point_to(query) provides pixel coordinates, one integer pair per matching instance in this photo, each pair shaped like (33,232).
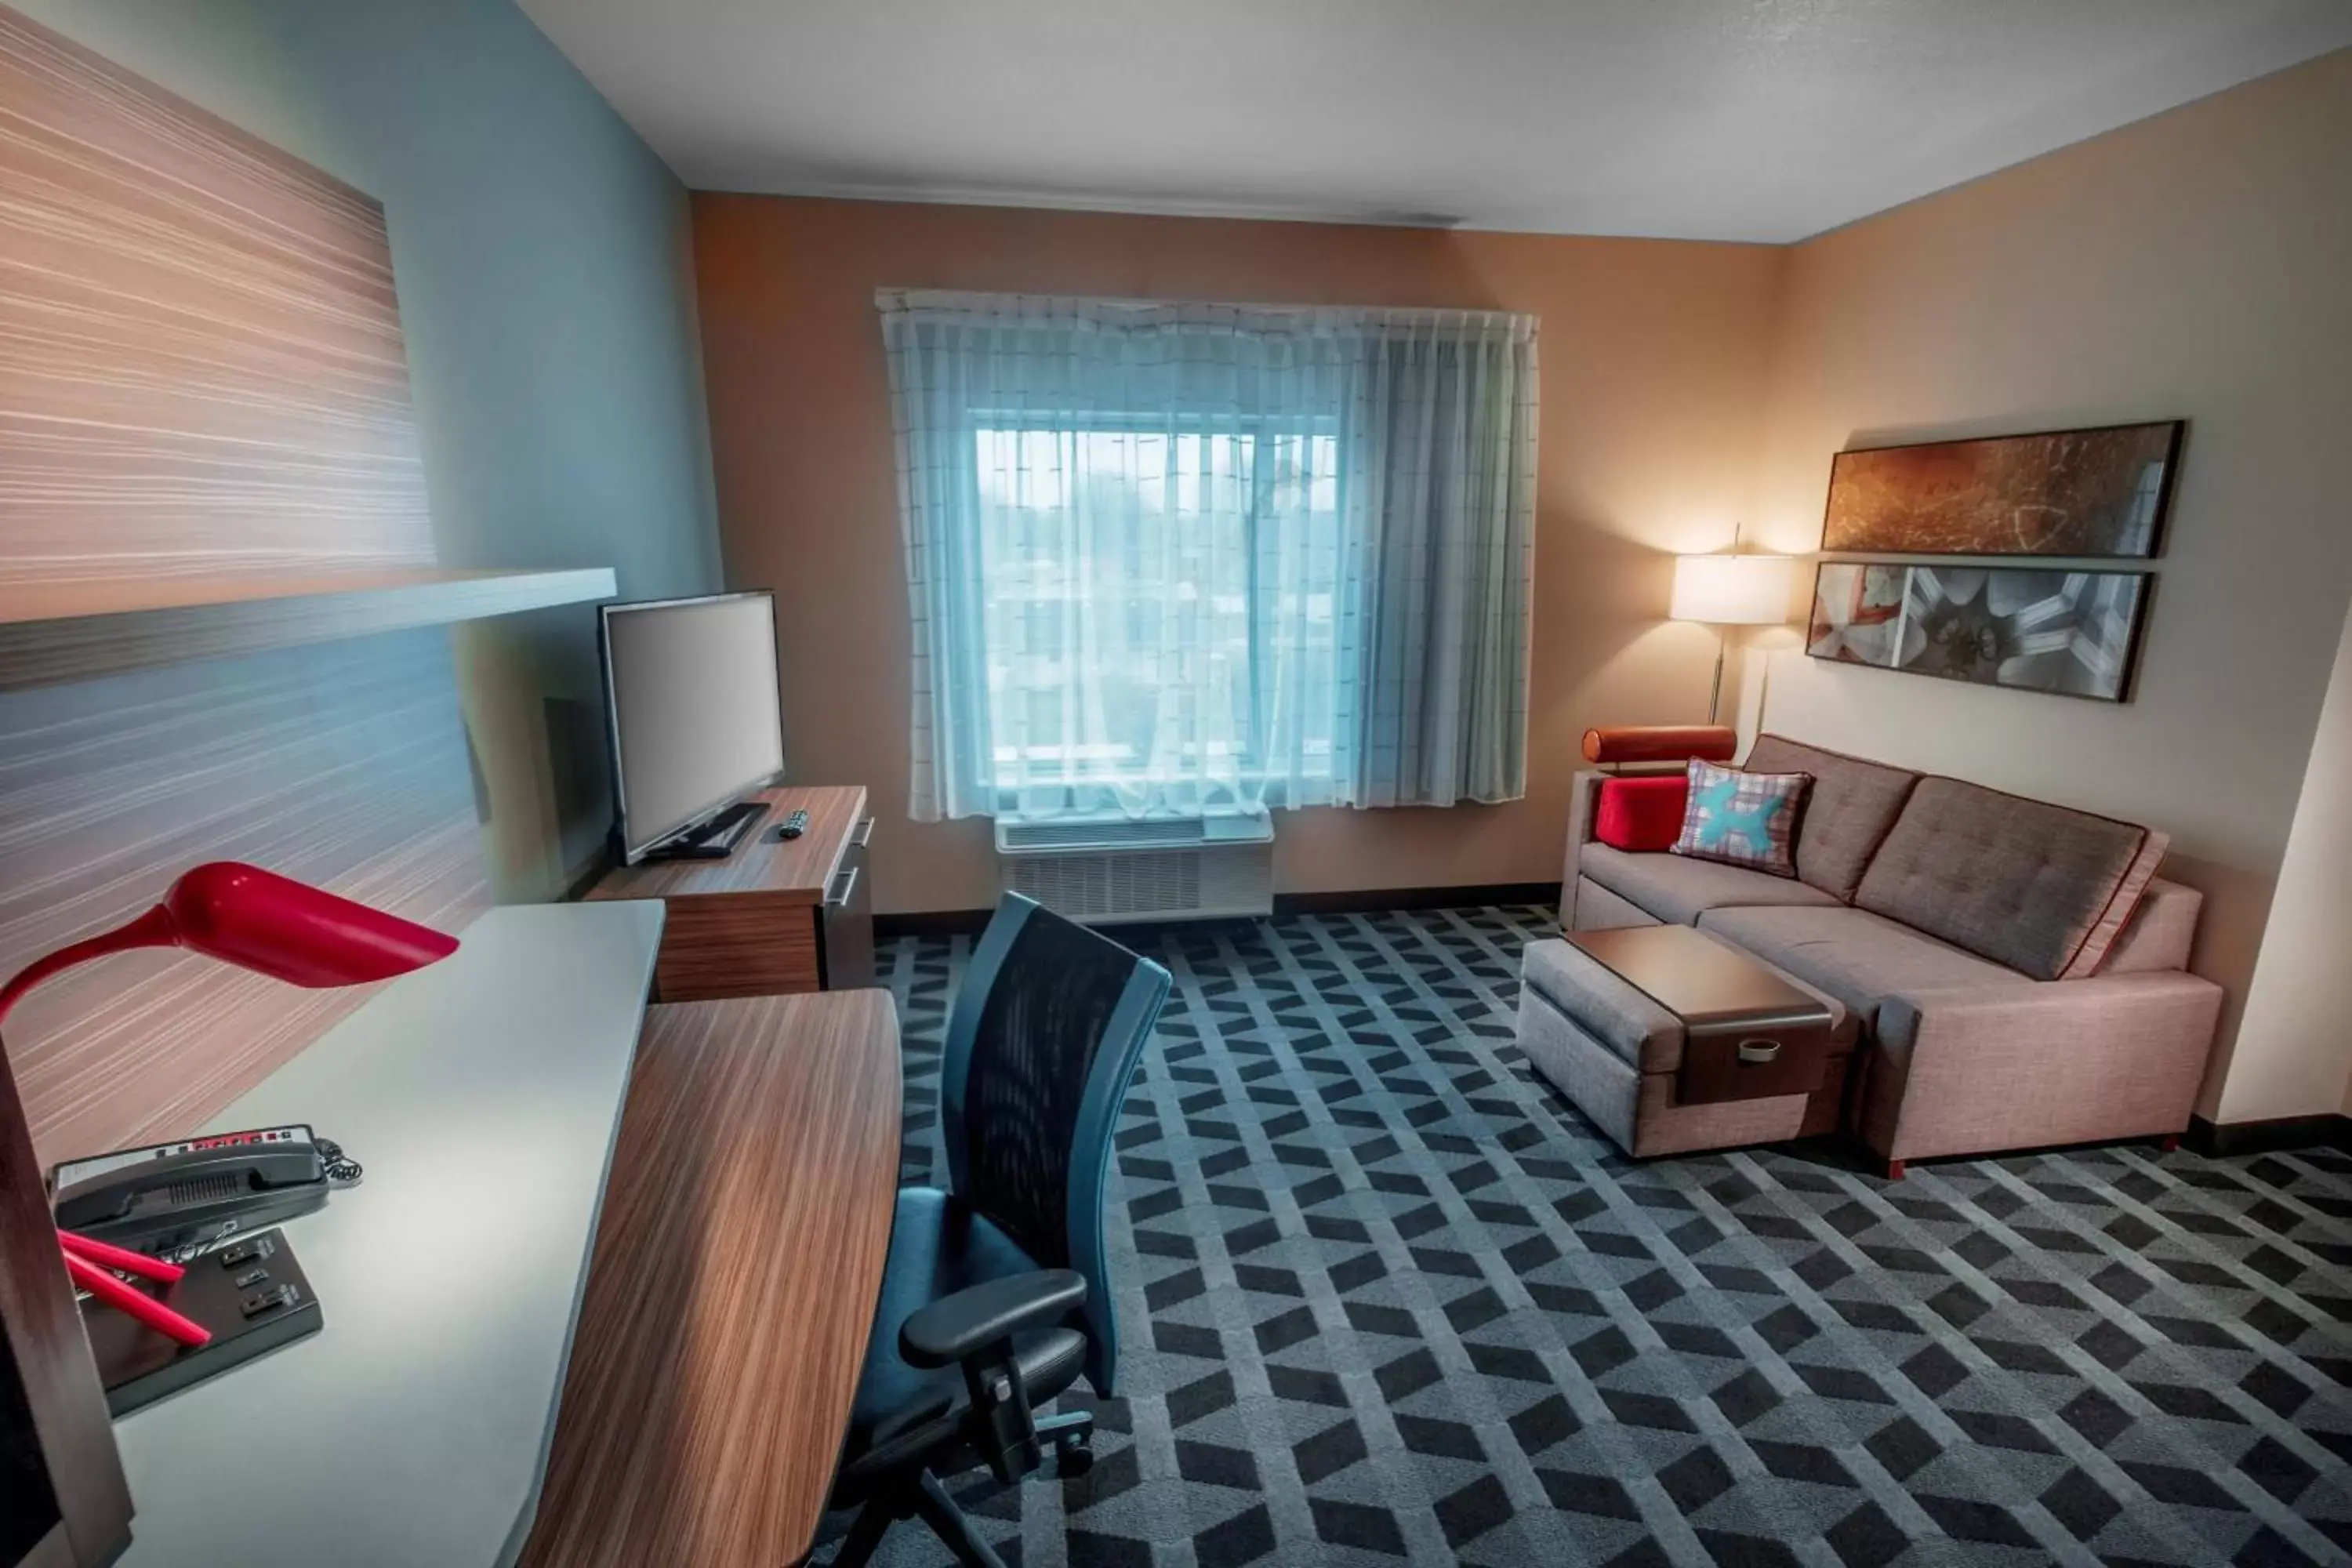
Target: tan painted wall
(2192,265)
(1654,364)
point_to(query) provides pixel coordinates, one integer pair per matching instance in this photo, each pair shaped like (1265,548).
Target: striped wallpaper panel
(201,362)
(202,379)
(343,765)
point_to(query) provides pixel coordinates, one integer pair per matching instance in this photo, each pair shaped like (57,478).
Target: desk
(720,1328)
(737,1267)
(483,1095)
(774,918)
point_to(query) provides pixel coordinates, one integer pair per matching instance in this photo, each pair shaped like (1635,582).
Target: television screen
(690,685)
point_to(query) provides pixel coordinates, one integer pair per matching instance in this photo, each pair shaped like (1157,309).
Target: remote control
(793,826)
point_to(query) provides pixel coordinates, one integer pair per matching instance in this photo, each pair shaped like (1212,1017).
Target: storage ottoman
(1618,1054)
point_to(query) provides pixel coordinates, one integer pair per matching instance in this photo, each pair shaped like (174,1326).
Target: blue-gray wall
(546,287)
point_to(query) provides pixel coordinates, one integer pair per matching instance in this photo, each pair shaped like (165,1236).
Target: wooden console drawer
(775,918)
(1751,1062)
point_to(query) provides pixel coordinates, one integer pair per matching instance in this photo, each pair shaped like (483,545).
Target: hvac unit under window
(1161,868)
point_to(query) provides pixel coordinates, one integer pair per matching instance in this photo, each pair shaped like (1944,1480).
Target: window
(1181,558)
(1160,602)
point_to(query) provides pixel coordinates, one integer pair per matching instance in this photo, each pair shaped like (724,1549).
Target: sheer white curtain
(1160,555)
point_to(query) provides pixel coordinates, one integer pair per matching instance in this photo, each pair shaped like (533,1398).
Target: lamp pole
(1723,635)
(1715,695)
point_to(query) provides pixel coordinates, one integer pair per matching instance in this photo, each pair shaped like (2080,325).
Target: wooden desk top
(736,1266)
(797,871)
(1698,979)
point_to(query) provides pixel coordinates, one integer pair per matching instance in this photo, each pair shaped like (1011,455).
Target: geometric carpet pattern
(1386,1298)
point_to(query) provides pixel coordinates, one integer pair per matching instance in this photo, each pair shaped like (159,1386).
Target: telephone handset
(176,1197)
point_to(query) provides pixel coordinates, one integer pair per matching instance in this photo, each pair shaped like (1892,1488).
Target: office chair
(994,1297)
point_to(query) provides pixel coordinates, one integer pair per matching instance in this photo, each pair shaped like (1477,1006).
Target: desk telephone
(181,1197)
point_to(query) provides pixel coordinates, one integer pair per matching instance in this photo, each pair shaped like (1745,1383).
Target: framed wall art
(2072,634)
(2099,493)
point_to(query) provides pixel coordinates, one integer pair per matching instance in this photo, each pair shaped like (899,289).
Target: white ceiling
(1759,119)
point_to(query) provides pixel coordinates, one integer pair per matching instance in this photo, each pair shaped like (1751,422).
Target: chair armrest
(1975,1069)
(974,1327)
(957,1327)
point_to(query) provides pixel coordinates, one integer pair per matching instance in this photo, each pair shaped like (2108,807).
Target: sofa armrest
(1583,799)
(1976,1069)
(2160,933)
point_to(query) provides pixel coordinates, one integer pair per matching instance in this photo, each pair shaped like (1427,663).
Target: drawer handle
(848,885)
(1756,1053)
(863,836)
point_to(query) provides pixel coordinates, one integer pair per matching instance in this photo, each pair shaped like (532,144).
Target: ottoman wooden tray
(1748,1034)
(1674,1040)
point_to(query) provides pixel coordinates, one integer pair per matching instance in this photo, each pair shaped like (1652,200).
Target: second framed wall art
(2072,634)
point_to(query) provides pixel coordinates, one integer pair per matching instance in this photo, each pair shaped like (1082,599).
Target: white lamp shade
(1732,590)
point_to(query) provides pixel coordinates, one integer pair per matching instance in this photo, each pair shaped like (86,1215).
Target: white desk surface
(482,1095)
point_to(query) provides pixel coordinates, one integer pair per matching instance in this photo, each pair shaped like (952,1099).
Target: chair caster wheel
(1073,1457)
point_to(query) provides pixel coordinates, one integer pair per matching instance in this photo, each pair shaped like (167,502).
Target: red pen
(144,1307)
(118,1257)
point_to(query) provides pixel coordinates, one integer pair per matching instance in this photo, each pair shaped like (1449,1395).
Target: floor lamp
(1732,590)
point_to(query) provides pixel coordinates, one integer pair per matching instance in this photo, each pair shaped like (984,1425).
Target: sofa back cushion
(2039,887)
(1848,812)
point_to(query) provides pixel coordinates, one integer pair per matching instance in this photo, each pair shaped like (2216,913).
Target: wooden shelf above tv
(54,632)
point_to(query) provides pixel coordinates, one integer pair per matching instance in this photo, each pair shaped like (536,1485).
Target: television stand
(715,839)
(779,916)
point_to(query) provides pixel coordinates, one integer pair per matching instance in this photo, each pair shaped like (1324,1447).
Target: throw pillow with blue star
(1744,819)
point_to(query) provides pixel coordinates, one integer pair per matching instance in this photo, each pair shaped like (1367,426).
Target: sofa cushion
(1853,805)
(1676,889)
(1857,957)
(2019,881)
(1747,819)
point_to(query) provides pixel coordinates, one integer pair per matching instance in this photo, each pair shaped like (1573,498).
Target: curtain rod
(885,298)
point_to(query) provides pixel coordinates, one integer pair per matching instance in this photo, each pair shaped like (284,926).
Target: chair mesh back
(1038,1036)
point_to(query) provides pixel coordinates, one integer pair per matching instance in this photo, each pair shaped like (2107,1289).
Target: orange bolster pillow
(1660,743)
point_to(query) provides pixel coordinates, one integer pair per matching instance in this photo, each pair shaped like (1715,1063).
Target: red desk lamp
(258,920)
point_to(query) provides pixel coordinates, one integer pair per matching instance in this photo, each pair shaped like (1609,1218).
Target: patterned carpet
(1385,1298)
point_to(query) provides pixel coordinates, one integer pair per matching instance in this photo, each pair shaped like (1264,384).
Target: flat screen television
(694,715)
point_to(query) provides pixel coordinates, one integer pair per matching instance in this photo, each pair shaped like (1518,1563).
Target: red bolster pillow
(1661,743)
(1641,813)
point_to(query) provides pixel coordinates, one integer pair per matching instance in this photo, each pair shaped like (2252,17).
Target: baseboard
(2218,1140)
(598,865)
(1353,901)
(930,922)
(1371,900)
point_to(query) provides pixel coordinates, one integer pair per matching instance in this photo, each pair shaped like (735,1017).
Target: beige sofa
(2018,972)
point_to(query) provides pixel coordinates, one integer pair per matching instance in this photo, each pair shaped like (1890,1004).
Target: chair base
(921,1494)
